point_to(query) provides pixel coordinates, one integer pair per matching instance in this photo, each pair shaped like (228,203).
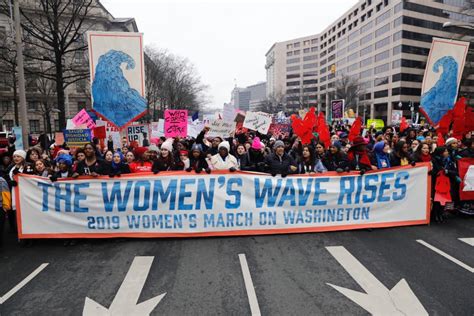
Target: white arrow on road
(469,241)
(378,300)
(125,302)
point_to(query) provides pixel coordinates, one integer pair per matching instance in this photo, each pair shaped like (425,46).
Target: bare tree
(172,83)
(53,33)
(273,104)
(8,66)
(349,89)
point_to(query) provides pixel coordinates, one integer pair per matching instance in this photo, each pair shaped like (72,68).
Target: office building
(383,44)
(248,98)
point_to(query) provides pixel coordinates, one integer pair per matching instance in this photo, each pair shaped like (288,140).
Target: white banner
(221,128)
(181,204)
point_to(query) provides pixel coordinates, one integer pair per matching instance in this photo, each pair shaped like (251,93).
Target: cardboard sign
(397,116)
(278,130)
(18,137)
(76,138)
(83,118)
(228,113)
(258,121)
(195,128)
(337,109)
(239,118)
(59,138)
(100,132)
(378,124)
(157,128)
(176,123)
(135,133)
(221,128)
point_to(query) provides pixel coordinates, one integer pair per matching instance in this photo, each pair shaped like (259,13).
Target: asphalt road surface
(287,274)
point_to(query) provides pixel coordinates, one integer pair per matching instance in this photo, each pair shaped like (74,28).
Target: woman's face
(18,159)
(414,144)
(183,157)
(39,165)
(425,149)
(117,158)
(89,151)
(34,156)
(306,153)
(129,157)
(247,146)
(386,148)
(241,150)
(395,139)
(108,156)
(125,150)
(63,167)
(320,149)
(428,139)
(333,149)
(164,152)
(196,154)
(405,148)
(334,138)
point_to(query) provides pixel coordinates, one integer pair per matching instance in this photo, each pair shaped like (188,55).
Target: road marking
(469,241)
(125,302)
(25,281)
(254,308)
(444,254)
(378,300)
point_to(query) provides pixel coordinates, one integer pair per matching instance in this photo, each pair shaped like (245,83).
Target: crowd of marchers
(281,155)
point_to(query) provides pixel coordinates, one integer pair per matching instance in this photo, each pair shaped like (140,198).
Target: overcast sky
(227,39)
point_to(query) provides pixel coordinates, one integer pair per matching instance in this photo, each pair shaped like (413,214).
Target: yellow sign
(333,68)
(378,124)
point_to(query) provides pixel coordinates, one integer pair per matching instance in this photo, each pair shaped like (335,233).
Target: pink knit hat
(256,144)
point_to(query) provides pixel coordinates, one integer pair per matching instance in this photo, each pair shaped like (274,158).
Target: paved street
(204,276)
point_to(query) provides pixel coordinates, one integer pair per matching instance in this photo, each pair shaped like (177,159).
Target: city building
(383,44)
(77,94)
(248,98)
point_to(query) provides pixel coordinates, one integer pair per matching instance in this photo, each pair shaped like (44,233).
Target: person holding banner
(359,159)
(197,161)
(382,158)
(308,163)
(6,206)
(254,159)
(142,162)
(279,162)
(224,160)
(64,167)
(91,165)
(165,160)
(116,167)
(335,159)
(43,168)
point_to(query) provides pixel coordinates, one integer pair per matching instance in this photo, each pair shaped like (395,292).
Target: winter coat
(279,165)
(198,164)
(335,161)
(253,160)
(163,164)
(224,164)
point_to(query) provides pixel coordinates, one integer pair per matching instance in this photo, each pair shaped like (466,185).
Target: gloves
(208,171)
(446,172)
(16,171)
(362,172)
(274,174)
(53,178)
(111,175)
(348,169)
(14,183)
(232,169)
(156,171)
(118,174)
(339,170)
(413,163)
(189,169)
(261,165)
(198,170)
(283,175)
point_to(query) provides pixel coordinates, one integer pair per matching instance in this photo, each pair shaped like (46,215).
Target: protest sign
(239,117)
(337,109)
(378,124)
(396,116)
(157,129)
(240,129)
(278,130)
(135,133)
(18,137)
(176,123)
(77,137)
(59,138)
(194,128)
(117,72)
(179,204)
(258,121)
(466,173)
(229,112)
(221,128)
(100,132)
(83,118)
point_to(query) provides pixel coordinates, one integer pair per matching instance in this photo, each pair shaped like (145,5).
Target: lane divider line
(444,254)
(25,281)
(254,308)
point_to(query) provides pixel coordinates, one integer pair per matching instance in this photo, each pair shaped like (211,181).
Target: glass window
(322,79)
(56,126)
(296,45)
(366,50)
(381,68)
(289,53)
(314,41)
(398,7)
(312,89)
(293,68)
(292,76)
(289,46)
(340,62)
(407,77)
(366,27)
(353,56)
(323,62)
(310,74)
(383,55)
(398,21)
(332,57)
(308,66)
(353,67)
(384,29)
(306,43)
(314,49)
(293,60)
(310,57)
(34,126)
(397,50)
(296,52)
(382,42)
(33,105)
(352,36)
(415,50)
(397,36)
(306,50)
(352,46)
(380,94)
(365,74)
(366,39)
(396,63)
(413,64)
(406,91)
(311,81)
(382,17)
(380,81)
(8,124)
(365,62)
(323,70)
(417,36)
(292,83)
(365,85)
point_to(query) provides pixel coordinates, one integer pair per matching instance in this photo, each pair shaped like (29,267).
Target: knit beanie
(224,144)
(256,144)
(20,153)
(168,144)
(277,144)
